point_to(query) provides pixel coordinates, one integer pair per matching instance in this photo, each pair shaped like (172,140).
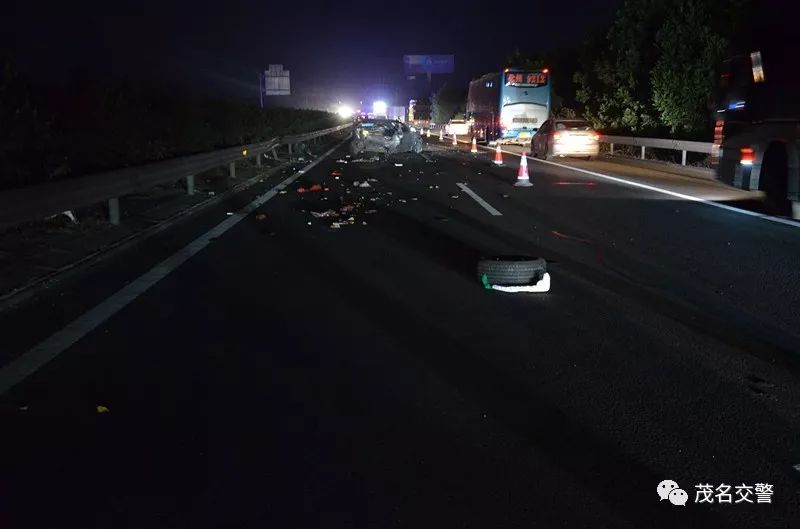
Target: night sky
(347,51)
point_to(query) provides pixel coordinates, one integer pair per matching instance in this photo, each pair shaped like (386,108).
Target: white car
(565,137)
(459,127)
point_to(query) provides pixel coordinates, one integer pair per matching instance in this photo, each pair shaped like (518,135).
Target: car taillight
(596,137)
(746,156)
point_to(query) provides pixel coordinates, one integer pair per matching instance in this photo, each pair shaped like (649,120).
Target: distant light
(345,111)
(379,108)
(736,105)
(758,68)
(244,152)
(506,70)
(546,70)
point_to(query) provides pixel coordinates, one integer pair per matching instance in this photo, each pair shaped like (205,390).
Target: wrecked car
(385,136)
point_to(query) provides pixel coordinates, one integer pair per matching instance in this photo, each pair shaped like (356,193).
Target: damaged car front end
(384,136)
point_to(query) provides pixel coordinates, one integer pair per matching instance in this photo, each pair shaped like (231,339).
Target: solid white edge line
(770,218)
(32,360)
(488,207)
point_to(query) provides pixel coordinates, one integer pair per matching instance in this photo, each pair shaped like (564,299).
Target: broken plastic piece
(364,184)
(398,165)
(542,286)
(325,214)
(102,409)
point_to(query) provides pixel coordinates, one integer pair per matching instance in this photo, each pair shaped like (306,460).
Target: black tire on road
(511,271)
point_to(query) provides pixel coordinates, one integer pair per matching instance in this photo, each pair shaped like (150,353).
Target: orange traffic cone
(441,135)
(455,141)
(498,156)
(474,148)
(523,180)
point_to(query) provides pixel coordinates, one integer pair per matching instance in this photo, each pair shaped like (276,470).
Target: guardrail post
(232,169)
(290,151)
(683,157)
(113,211)
(190,185)
(258,159)
(642,152)
(612,149)
(274,153)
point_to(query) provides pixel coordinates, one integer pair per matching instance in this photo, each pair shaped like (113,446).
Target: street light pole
(261,90)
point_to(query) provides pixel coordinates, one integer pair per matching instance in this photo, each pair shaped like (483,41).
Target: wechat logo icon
(669,490)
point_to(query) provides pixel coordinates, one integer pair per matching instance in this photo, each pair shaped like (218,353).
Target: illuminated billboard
(417,64)
(276,81)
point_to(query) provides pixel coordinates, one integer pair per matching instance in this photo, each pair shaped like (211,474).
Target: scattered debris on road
(260,216)
(102,409)
(325,214)
(312,189)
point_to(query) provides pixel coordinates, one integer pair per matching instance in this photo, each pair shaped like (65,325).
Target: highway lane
(298,375)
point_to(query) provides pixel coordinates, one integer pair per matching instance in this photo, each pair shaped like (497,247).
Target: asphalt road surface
(265,369)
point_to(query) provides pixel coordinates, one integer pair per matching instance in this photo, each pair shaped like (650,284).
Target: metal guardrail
(657,143)
(299,138)
(45,200)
